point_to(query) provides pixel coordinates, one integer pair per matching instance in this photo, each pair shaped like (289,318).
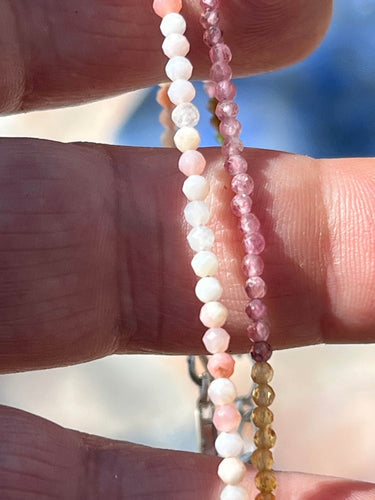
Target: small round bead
(263,395)
(262,373)
(197,213)
(229,444)
(231,470)
(209,17)
(254,243)
(256,288)
(216,340)
(259,331)
(213,314)
(225,90)
(261,351)
(226,109)
(262,459)
(241,204)
(205,264)
(242,184)
(220,71)
(234,493)
(230,127)
(212,35)
(265,437)
(226,418)
(173,23)
(266,481)
(201,238)
(164,7)
(235,165)
(221,391)
(252,265)
(179,68)
(181,91)
(220,53)
(187,138)
(221,365)
(175,45)
(192,162)
(265,496)
(249,223)
(256,309)
(208,289)
(232,146)
(185,115)
(262,417)
(196,187)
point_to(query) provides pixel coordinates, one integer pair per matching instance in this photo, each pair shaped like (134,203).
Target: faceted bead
(241,204)
(208,289)
(197,213)
(230,127)
(262,459)
(213,314)
(261,351)
(210,4)
(164,7)
(256,309)
(220,71)
(187,138)
(262,417)
(220,53)
(263,395)
(185,115)
(262,373)
(254,243)
(258,331)
(221,365)
(210,17)
(231,470)
(255,287)
(173,23)
(229,444)
(226,109)
(235,165)
(265,437)
(205,263)
(212,35)
(179,68)
(181,91)
(226,418)
(242,184)
(225,90)
(175,45)
(232,146)
(216,340)
(192,162)
(196,187)
(252,265)
(201,238)
(234,493)
(265,496)
(221,391)
(249,223)
(266,481)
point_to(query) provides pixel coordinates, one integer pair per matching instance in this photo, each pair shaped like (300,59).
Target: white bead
(231,470)
(216,340)
(181,91)
(221,391)
(229,444)
(197,213)
(175,45)
(179,68)
(173,23)
(205,264)
(201,238)
(187,138)
(185,115)
(208,289)
(213,314)
(234,493)
(196,187)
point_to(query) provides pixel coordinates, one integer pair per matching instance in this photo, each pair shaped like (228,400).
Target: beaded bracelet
(213,314)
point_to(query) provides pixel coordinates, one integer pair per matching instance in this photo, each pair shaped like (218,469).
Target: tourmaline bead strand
(224,90)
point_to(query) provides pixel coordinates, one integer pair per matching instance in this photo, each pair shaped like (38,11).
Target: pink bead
(261,352)
(256,288)
(249,223)
(242,184)
(254,243)
(226,418)
(232,146)
(230,127)
(220,53)
(241,204)
(209,88)
(225,91)
(212,36)
(252,265)
(210,4)
(235,164)
(258,331)
(256,309)
(216,340)
(192,163)
(210,17)
(220,71)
(164,7)
(221,365)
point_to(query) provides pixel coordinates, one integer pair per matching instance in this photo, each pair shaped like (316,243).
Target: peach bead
(164,7)
(221,365)
(192,162)
(226,418)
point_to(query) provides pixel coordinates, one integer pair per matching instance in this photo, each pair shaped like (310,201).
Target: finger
(94,259)
(59,53)
(39,459)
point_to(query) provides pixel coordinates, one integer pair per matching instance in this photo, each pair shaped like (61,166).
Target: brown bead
(262,459)
(265,496)
(263,395)
(265,438)
(266,481)
(262,373)
(262,417)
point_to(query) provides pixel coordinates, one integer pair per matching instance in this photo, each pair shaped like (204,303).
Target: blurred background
(323,107)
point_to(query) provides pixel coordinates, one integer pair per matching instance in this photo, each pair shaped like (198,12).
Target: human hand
(90,232)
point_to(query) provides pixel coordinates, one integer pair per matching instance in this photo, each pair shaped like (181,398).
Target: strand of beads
(165,117)
(253,242)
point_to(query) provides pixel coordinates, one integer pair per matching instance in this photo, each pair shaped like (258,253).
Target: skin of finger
(94,258)
(39,459)
(59,53)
